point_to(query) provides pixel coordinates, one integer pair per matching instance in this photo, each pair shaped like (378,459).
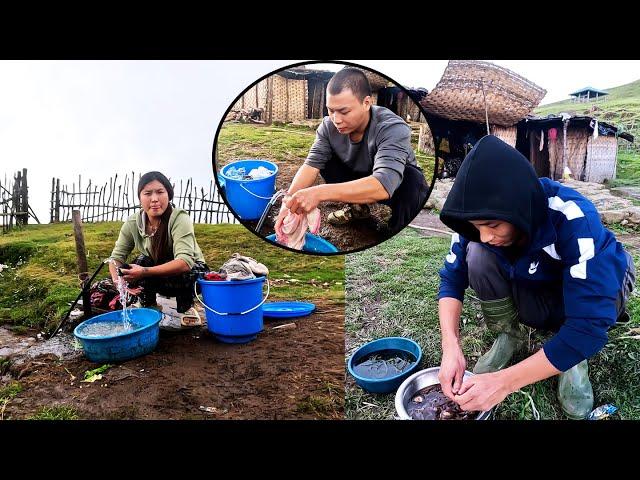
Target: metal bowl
(418,381)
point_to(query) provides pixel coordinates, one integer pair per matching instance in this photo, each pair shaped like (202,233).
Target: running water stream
(111,328)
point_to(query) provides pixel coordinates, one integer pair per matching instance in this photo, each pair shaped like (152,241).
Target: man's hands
(482,392)
(478,393)
(303,201)
(452,369)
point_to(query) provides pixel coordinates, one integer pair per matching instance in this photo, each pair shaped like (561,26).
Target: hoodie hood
(495,182)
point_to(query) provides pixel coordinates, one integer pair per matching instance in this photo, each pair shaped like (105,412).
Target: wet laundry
(236,173)
(260,172)
(215,276)
(254,174)
(104,295)
(294,228)
(239,267)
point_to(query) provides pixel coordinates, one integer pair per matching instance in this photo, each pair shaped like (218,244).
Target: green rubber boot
(501,317)
(575,392)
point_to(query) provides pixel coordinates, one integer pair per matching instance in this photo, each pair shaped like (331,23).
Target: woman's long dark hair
(160,241)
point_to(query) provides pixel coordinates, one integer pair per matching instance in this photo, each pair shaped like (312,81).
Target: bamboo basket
(466,84)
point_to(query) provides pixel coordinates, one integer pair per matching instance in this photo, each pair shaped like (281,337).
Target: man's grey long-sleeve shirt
(383,152)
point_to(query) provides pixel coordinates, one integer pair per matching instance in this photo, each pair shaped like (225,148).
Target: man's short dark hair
(351,78)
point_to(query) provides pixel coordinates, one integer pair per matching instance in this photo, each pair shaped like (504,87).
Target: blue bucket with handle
(234,308)
(249,198)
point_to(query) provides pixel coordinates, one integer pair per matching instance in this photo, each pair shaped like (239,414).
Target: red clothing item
(215,276)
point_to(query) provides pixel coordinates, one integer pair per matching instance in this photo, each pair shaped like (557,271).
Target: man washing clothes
(536,254)
(364,154)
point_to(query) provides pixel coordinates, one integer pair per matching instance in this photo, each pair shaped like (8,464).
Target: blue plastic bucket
(390,384)
(312,243)
(233,308)
(249,198)
(125,346)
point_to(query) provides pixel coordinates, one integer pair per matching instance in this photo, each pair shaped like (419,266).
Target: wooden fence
(118,198)
(14,201)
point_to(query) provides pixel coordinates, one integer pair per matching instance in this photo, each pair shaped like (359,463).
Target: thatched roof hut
(474,98)
(585,145)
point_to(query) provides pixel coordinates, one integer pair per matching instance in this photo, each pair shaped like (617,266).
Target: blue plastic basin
(390,384)
(312,243)
(124,346)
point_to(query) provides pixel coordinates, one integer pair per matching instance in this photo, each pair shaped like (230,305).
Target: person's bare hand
(134,273)
(135,291)
(482,392)
(303,201)
(452,369)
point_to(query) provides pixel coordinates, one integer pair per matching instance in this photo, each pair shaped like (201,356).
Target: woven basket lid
(465,84)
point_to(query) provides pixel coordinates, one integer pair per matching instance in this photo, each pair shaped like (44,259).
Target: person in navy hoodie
(536,254)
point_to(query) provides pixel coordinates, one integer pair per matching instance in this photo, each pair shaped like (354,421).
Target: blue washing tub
(389,384)
(141,340)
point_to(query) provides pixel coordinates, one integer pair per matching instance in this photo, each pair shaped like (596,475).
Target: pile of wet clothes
(294,227)
(238,267)
(104,295)
(254,174)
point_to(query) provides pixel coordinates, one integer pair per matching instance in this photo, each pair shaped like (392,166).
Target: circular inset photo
(325,158)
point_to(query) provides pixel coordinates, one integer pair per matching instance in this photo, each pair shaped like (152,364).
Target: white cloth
(541,139)
(260,172)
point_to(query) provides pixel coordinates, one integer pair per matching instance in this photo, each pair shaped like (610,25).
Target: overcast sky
(98,118)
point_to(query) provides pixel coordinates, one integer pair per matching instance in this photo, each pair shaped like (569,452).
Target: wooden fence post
(83,274)
(24,193)
(57,206)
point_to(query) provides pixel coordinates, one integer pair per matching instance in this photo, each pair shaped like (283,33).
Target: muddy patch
(286,373)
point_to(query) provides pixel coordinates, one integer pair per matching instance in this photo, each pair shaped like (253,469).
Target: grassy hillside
(621,107)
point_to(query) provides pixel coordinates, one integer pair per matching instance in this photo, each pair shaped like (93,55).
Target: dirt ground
(291,373)
(357,235)
(428,224)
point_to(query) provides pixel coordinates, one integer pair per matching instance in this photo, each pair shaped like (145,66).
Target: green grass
(274,143)
(391,290)
(628,172)
(10,391)
(59,412)
(37,288)
(628,228)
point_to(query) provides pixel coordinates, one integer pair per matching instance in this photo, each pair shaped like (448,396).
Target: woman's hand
(452,369)
(135,291)
(134,273)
